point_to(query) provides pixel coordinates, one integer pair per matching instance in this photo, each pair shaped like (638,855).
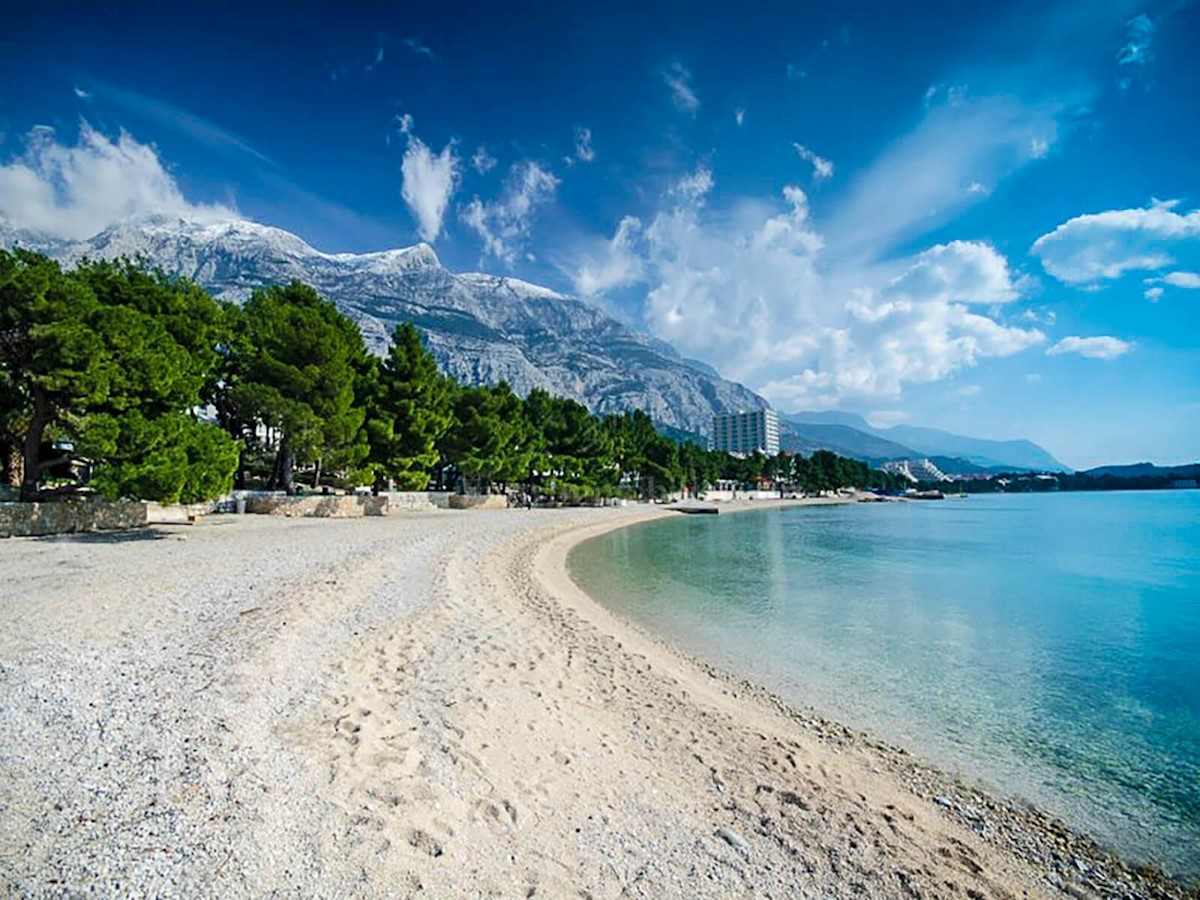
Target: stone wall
(69,517)
(318,506)
(478,501)
(417,500)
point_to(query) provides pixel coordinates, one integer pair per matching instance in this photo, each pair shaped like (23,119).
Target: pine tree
(410,410)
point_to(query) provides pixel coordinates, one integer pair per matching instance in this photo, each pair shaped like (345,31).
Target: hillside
(481,328)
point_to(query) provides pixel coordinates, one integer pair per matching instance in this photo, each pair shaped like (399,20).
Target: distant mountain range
(484,328)
(1146,470)
(851,435)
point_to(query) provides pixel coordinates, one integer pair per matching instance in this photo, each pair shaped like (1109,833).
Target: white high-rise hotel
(746,432)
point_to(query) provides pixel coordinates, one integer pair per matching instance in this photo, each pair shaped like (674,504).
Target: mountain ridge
(481,328)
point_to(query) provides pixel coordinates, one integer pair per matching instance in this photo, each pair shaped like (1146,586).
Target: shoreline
(1066,858)
(426,704)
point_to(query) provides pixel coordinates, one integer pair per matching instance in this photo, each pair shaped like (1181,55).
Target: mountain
(1146,470)
(915,441)
(842,440)
(480,328)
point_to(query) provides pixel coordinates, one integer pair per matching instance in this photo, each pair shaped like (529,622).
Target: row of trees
(169,394)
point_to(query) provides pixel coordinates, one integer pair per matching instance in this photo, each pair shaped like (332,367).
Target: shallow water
(1046,645)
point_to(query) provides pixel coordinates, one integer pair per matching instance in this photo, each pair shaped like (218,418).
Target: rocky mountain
(1015,455)
(481,328)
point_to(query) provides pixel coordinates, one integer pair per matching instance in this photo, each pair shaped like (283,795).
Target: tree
(409,411)
(489,438)
(571,452)
(294,370)
(96,358)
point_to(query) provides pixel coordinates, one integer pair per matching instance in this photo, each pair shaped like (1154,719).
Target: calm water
(1048,646)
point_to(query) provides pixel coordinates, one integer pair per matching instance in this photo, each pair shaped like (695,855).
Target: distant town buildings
(915,470)
(744,433)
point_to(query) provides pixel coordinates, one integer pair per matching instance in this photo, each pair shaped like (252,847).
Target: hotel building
(744,433)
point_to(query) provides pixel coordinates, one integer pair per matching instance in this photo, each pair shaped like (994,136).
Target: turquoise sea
(1047,646)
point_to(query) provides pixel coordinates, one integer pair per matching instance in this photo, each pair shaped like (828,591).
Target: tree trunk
(317,477)
(31,473)
(287,464)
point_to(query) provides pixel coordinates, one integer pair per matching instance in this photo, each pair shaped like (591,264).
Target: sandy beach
(426,704)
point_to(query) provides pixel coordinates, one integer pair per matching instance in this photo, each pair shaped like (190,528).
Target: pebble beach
(426,705)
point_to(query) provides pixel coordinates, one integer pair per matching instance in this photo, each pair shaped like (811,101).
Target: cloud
(916,183)
(1139,33)
(1190,280)
(75,192)
(739,116)
(822,168)
(1104,246)
(429,181)
(617,264)
(958,272)
(969,390)
(749,289)
(1100,347)
(483,162)
(419,48)
(1038,148)
(81,93)
(1154,294)
(583,145)
(168,115)
(503,224)
(679,81)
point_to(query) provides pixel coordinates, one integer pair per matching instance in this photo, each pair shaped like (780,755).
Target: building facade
(744,433)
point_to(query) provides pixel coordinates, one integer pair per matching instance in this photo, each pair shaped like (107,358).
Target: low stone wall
(69,517)
(318,506)
(417,500)
(175,513)
(478,501)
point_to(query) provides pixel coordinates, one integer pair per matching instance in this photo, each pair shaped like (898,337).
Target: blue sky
(960,215)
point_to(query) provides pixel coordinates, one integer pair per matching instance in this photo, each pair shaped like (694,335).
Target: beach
(426,704)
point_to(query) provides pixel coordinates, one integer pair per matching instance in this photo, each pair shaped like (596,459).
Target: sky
(976,217)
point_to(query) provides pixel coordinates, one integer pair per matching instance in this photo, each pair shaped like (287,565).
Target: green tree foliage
(102,357)
(410,409)
(571,452)
(294,368)
(489,439)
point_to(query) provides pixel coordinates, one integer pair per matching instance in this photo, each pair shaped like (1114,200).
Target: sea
(1044,646)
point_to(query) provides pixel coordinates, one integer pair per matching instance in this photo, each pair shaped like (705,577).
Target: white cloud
(969,390)
(81,93)
(748,290)
(1106,245)
(583,145)
(1038,147)
(483,162)
(679,81)
(503,224)
(885,418)
(916,184)
(616,265)
(419,48)
(1100,347)
(1139,34)
(822,168)
(693,188)
(430,180)
(76,192)
(739,116)
(1154,294)
(958,272)
(1189,280)
(976,188)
